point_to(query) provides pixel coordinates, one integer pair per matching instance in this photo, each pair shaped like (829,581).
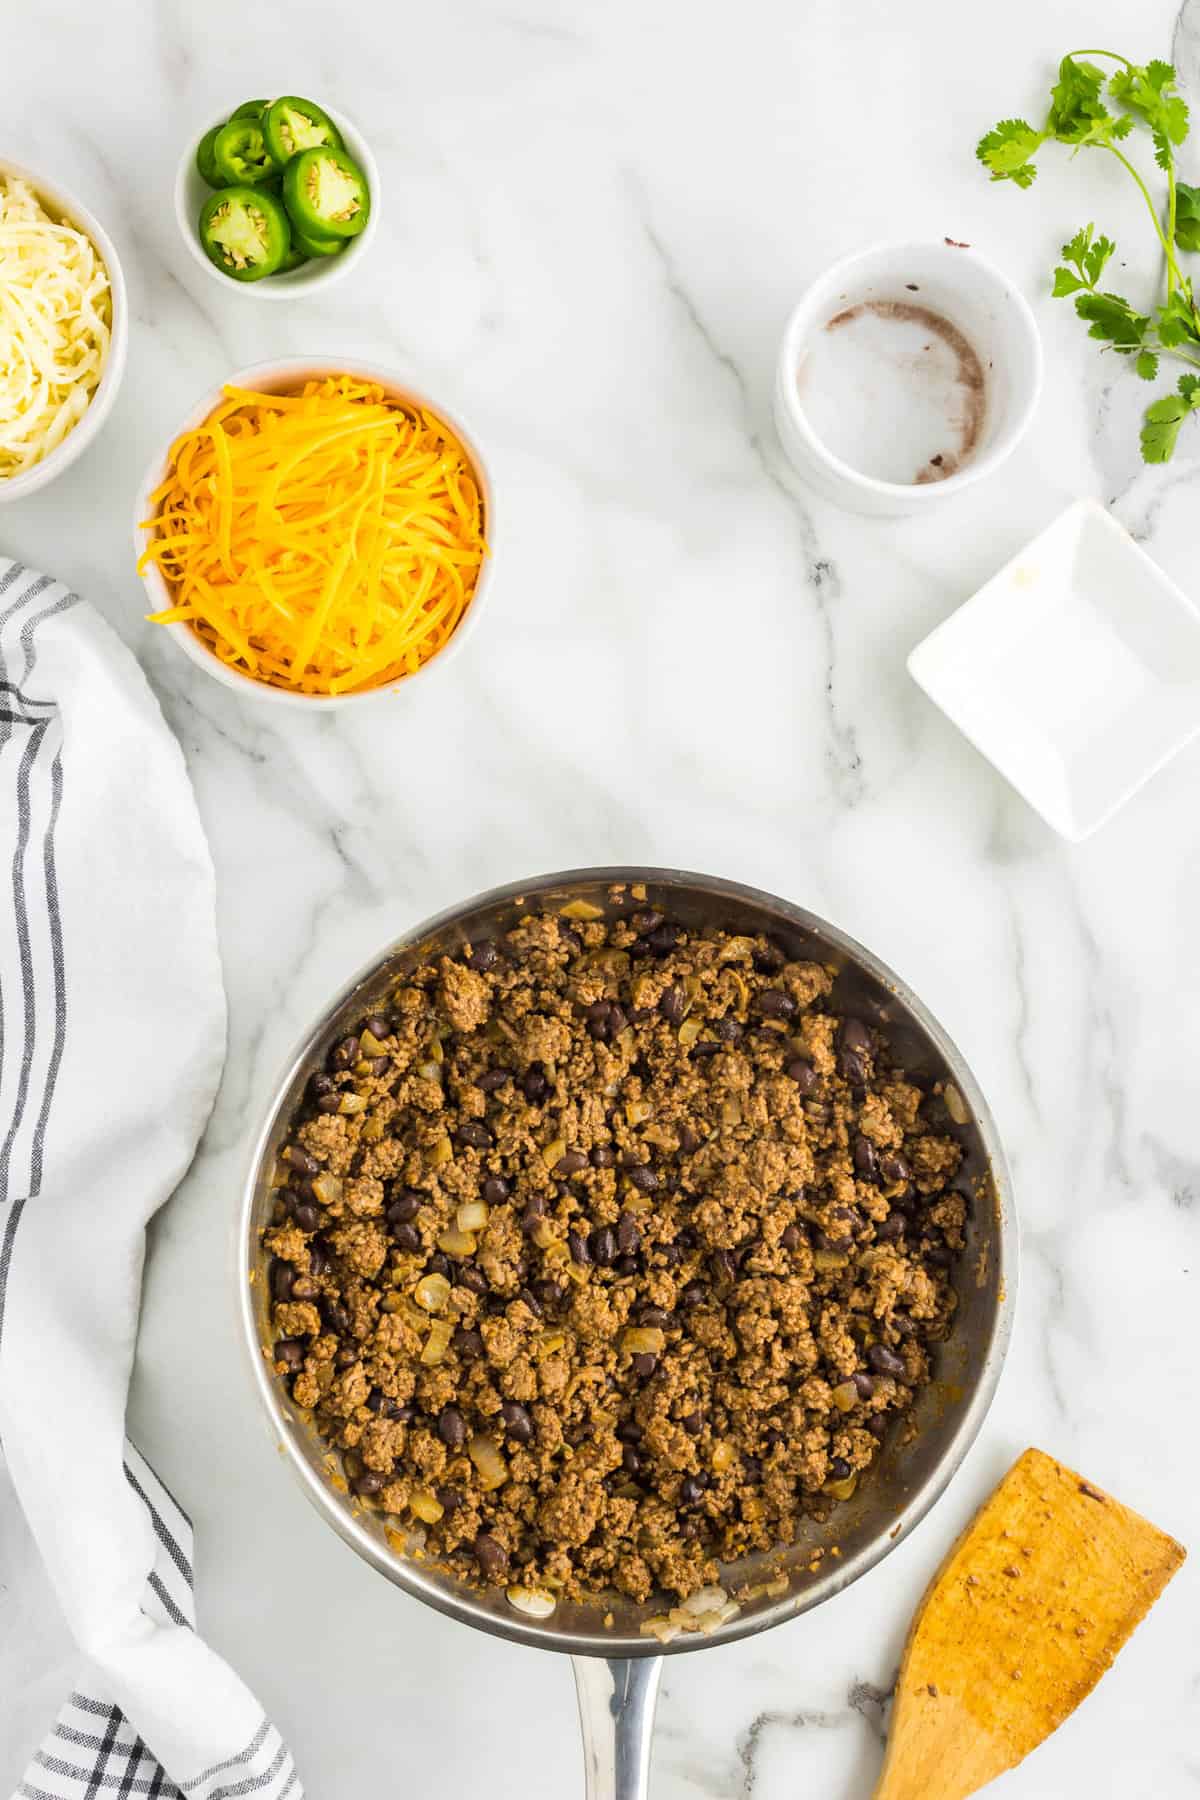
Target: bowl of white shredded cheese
(63,329)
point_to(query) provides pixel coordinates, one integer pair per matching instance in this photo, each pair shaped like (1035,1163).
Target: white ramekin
(279,378)
(59,201)
(191,191)
(973,295)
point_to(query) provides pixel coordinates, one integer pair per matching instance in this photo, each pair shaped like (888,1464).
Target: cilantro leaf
(1146,365)
(1187,216)
(1150,93)
(1160,427)
(1177,320)
(1113,320)
(1076,106)
(1008,149)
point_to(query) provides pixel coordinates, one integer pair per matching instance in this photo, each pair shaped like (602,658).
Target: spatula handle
(617,1697)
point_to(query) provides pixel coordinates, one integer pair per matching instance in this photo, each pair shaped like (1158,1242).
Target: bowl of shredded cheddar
(63,329)
(318,533)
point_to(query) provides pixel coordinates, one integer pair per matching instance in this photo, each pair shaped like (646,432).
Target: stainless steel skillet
(617,1665)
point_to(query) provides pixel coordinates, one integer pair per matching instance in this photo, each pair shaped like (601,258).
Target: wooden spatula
(1017,1627)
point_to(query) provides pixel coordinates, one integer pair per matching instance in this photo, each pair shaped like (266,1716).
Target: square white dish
(1075,670)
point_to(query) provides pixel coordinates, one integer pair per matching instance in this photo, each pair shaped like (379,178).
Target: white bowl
(191,191)
(964,289)
(283,377)
(1075,669)
(58,200)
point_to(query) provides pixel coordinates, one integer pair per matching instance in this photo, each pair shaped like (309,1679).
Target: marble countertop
(595,220)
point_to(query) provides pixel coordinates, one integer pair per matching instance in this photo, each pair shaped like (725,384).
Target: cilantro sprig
(1092,110)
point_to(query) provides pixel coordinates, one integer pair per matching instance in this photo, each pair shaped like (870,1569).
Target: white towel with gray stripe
(108,941)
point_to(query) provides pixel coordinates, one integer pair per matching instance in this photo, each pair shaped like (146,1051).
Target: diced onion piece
(352,1103)
(327,1188)
(425,1506)
(723,1457)
(556,1148)
(956,1106)
(582,909)
(438,1342)
(535,1603)
(841,1490)
(641,1340)
(491,1466)
(473,1216)
(689,1031)
(457,1243)
(370,1045)
(431,1293)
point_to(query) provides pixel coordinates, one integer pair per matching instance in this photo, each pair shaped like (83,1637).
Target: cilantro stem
(1173,271)
(1113,55)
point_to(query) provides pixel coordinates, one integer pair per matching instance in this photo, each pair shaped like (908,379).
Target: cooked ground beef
(608,1252)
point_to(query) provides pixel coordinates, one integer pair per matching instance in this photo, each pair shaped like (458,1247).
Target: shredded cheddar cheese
(55,327)
(326,541)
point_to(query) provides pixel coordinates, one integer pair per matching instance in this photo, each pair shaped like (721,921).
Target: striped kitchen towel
(109,942)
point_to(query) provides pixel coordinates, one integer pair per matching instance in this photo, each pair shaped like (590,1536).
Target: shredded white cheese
(55,327)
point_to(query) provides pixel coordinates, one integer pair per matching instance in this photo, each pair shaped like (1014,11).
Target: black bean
(495,1190)
(474,1136)
(483,956)
(887,1230)
(379,1065)
(644,1365)
(626,1265)
(643,1178)
(724,1265)
(466,1275)
(671,1255)
(290,1352)
(492,1079)
(629,1237)
(803,1074)
(379,1025)
(320,1083)
(886,1362)
(467,1341)
(769,960)
(894,1168)
(577,1244)
(673,1006)
(728,1030)
(877,1426)
(938,1255)
(369,1482)
(631,1462)
(307,1217)
(438,1264)
(686,1239)
(616,1020)
(646,921)
(705,1047)
(570,940)
(301,1160)
(693,1423)
(903,1325)
(517,1422)
(407,1237)
(550,1293)
(335,1314)
(448,1498)
(452,1428)
(404,1208)
(689,1139)
(865,1159)
(663,939)
(691,1489)
(534,1084)
(603,1156)
(319,1259)
(570,1163)
(491,1556)
(752,1469)
(853,1035)
(305,1288)
(532,1302)
(655,1316)
(839,1469)
(283,1274)
(852,1068)
(533,1215)
(774,1003)
(694,1294)
(346,1357)
(629,1432)
(329,1103)
(792,1238)
(603,1245)
(864,1386)
(345,1054)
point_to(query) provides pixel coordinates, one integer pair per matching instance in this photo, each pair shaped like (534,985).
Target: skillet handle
(617,1697)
